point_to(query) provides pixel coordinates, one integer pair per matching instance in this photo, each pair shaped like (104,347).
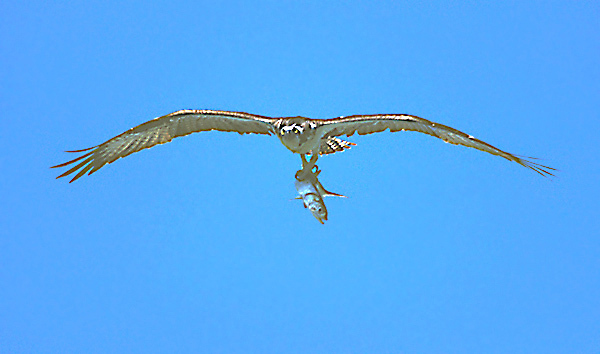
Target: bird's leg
(313,160)
(307,166)
(302,174)
(303,158)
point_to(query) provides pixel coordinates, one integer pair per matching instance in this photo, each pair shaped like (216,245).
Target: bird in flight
(304,136)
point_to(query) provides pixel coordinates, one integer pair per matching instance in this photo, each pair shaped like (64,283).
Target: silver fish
(311,192)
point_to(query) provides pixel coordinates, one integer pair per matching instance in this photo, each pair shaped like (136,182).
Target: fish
(312,192)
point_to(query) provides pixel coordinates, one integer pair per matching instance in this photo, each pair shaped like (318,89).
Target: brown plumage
(300,135)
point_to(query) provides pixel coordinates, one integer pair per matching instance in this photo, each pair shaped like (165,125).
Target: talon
(301,174)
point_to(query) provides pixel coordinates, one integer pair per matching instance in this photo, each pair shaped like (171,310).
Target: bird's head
(291,130)
(294,133)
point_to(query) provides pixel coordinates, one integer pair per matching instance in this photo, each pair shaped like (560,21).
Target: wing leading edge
(368,124)
(162,130)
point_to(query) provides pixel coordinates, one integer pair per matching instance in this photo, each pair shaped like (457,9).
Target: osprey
(304,136)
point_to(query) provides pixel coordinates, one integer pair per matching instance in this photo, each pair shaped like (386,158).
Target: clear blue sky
(196,245)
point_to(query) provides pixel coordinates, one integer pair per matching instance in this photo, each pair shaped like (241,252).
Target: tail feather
(334,144)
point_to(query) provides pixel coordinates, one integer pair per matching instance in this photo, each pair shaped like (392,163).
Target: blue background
(195,246)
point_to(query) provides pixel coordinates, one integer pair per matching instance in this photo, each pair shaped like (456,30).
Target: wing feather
(368,124)
(162,130)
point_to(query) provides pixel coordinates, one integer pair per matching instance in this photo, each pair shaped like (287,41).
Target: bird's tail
(334,144)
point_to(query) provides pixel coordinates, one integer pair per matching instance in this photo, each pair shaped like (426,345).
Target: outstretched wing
(368,124)
(162,130)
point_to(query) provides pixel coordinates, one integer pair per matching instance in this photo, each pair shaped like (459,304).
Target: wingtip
(82,150)
(545,171)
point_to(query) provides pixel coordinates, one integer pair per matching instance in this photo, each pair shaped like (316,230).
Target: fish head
(315,204)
